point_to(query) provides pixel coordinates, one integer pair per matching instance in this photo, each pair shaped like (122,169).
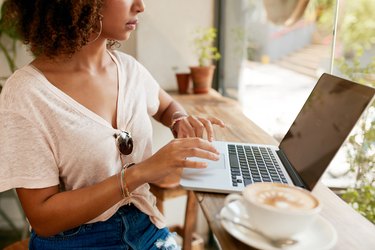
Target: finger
(183,145)
(216,121)
(197,125)
(194,164)
(200,153)
(186,128)
(209,129)
(197,143)
(182,134)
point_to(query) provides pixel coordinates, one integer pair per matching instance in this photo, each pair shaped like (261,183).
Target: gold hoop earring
(100,29)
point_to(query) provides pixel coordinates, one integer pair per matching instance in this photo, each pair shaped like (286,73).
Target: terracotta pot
(183,82)
(202,78)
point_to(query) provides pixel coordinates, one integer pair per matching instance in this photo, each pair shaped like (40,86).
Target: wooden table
(354,231)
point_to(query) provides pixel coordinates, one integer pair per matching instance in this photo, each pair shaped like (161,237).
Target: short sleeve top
(47,138)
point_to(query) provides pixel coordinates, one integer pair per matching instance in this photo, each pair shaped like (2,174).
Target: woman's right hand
(174,156)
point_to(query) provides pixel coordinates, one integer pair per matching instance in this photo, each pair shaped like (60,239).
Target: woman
(74,121)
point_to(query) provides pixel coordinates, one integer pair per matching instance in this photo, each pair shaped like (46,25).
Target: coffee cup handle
(232,197)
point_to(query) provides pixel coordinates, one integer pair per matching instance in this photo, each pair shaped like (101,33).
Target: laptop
(321,127)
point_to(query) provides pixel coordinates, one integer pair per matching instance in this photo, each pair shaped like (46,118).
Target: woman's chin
(124,37)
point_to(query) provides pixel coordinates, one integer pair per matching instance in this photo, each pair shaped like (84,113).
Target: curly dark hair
(53,27)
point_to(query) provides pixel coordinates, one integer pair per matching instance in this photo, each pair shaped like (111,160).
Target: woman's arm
(167,108)
(50,211)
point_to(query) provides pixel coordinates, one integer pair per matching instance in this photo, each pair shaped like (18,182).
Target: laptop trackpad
(220,164)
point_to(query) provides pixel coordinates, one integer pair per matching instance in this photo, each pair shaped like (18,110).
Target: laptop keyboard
(251,164)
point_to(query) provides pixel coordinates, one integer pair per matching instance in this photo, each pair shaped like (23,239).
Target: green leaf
(204,45)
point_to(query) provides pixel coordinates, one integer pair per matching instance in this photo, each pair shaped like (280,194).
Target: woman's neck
(91,58)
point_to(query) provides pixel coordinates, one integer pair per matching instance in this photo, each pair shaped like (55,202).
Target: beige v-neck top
(47,138)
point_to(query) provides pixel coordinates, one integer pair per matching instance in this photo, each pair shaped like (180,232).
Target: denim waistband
(128,228)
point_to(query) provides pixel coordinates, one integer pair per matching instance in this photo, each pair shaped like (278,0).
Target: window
(270,65)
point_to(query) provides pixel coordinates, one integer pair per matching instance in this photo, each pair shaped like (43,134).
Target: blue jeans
(128,228)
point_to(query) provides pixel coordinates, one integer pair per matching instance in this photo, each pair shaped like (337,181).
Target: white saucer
(320,236)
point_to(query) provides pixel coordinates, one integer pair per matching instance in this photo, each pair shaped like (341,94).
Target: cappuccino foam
(282,197)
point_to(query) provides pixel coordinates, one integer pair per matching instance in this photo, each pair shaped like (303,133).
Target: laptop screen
(326,119)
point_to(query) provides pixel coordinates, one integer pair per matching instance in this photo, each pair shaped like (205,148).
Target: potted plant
(183,80)
(202,74)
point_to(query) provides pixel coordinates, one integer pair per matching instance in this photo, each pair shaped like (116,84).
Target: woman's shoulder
(19,86)
(20,79)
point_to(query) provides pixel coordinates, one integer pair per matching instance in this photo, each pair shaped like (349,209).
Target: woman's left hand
(192,126)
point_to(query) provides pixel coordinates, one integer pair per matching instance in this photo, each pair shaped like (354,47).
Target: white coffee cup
(278,210)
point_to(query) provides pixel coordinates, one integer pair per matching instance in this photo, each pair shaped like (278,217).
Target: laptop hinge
(297,181)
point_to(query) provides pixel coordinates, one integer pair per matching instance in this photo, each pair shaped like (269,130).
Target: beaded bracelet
(124,186)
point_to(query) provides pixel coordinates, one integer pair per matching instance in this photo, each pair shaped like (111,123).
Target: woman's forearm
(50,211)
(167,108)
